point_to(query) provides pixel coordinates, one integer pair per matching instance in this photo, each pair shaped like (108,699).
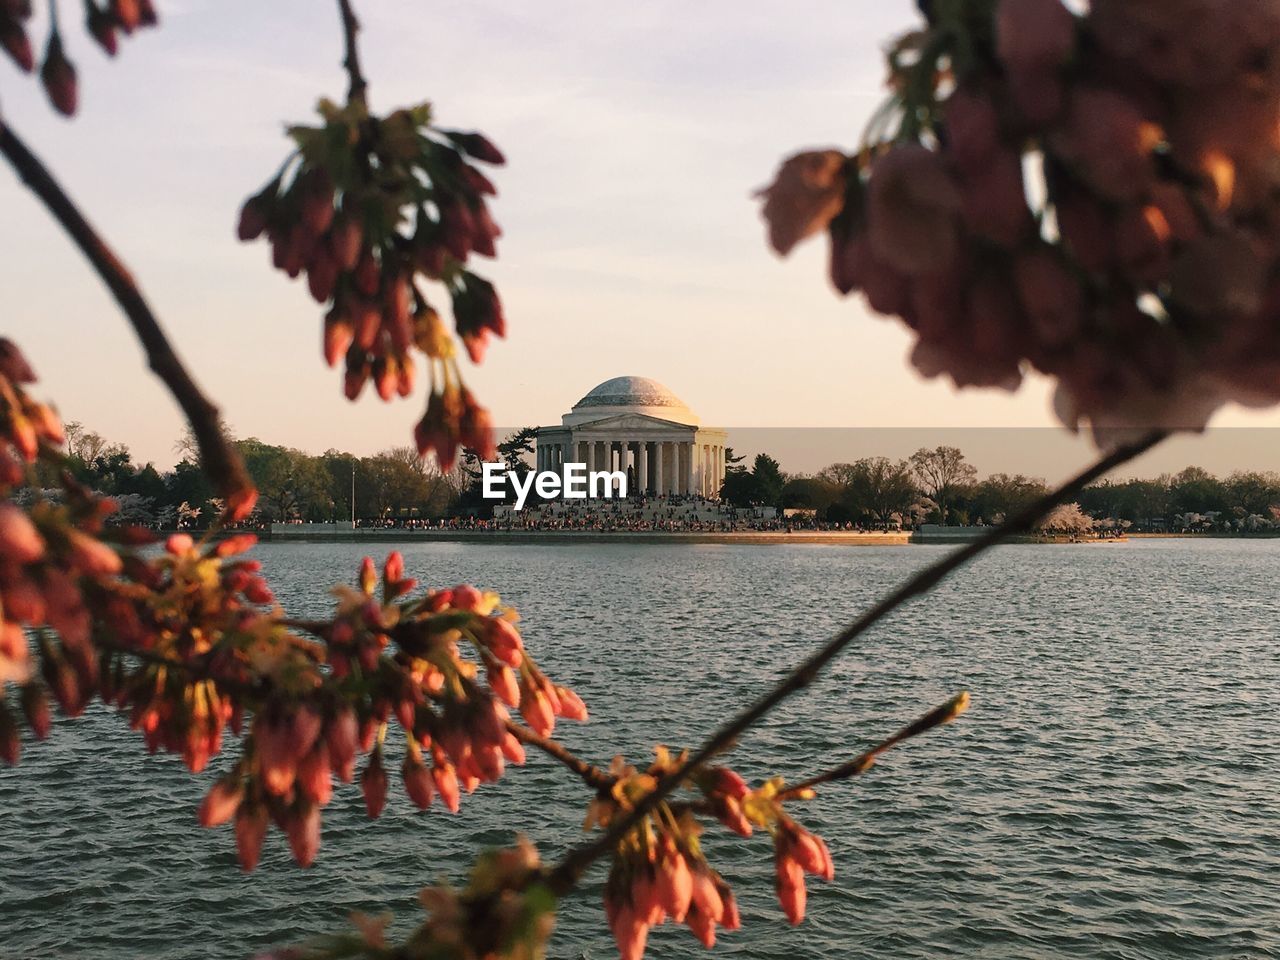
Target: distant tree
(883,487)
(942,472)
(1066,518)
(739,488)
(769,480)
(519,445)
(811,493)
(188,448)
(1000,494)
(291,482)
(82,443)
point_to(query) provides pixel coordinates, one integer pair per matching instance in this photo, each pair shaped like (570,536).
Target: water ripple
(1112,794)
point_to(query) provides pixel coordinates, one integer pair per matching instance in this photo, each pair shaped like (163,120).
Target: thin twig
(565,874)
(863,761)
(591,775)
(351,27)
(221,462)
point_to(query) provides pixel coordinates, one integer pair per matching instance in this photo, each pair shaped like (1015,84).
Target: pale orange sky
(635,134)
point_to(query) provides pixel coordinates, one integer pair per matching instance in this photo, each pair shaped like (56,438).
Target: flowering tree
(1157,309)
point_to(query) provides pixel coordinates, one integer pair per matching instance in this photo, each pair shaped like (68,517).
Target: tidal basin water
(1114,791)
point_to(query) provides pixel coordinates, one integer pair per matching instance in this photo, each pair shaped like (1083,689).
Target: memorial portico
(639,427)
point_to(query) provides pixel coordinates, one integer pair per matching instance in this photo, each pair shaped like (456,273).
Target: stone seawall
(326,533)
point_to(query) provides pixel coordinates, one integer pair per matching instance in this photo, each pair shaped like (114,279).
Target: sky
(635,135)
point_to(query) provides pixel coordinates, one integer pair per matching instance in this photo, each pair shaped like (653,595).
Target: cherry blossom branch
(591,775)
(564,876)
(220,460)
(863,761)
(199,668)
(351,27)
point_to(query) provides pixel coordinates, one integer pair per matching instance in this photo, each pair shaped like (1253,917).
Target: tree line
(931,486)
(940,486)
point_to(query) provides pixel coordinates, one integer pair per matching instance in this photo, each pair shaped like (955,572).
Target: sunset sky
(635,134)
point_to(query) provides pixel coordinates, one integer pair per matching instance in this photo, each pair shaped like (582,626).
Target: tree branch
(221,461)
(591,775)
(566,874)
(351,27)
(863,761)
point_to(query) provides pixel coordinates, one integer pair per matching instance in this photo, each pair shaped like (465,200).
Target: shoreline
(755,537)
(845,537)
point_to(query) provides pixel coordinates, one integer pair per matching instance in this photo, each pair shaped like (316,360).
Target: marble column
(642,471)
(657,468)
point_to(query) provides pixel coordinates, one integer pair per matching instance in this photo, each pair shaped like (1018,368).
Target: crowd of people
(636,514)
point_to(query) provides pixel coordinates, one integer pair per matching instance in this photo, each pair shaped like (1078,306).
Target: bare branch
(351,27)
(591,775)
(221,461)
(566,874)
(862,762)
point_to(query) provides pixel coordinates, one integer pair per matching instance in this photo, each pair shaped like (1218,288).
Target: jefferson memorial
(637,426)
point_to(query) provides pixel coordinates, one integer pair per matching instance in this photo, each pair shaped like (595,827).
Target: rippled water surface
(1113,793)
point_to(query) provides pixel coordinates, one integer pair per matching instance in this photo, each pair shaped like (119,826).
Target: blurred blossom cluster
(367,207)
(104,22)
(1092,195)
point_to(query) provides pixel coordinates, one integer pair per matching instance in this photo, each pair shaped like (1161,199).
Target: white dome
(630,395)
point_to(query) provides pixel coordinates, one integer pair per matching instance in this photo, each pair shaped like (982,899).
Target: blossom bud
(102,27)
(240,502)
(705,896)
(702,926)
(368,576)
(570,704)
(446,780)
(373,783)
(475,429)
(10,744)
(502,680)
(253,218)
(537,713)
(20,542)
(912,201)
(303,831)
(316,187)
(235,545)
(221,802)
(1034,34)
(338,335)
(512,749)
(346,240)
(35,707)
(789,883)
(128,13)
(807,193)
(251,830)
(341,736)
(367,275)
(417,782)
(630,931)
(92,557)
(499,636)
(675,885)
(13,364)
(16,43)
(322,275)
(477,145)
(315,778)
